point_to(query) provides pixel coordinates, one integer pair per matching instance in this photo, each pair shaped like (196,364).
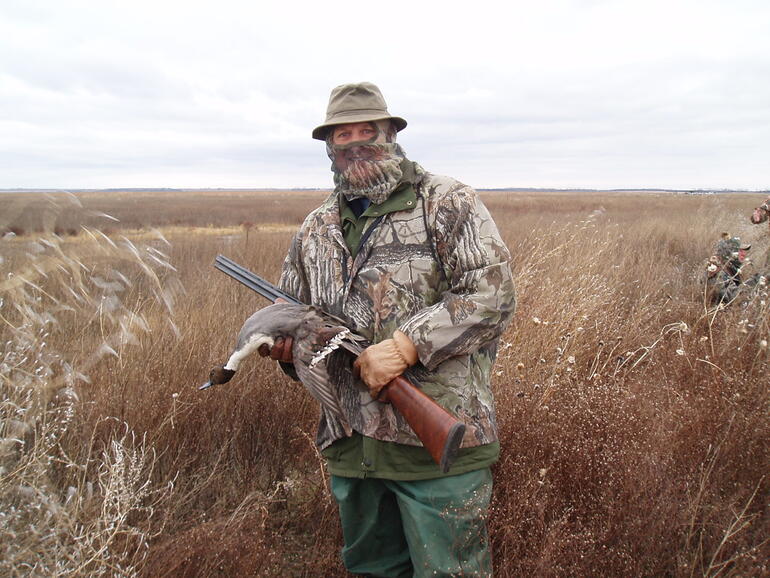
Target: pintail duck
(323,350)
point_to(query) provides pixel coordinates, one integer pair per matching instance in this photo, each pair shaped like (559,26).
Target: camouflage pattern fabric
(724,278)
(371,169)
(726,247)
(722,288)
(395,282)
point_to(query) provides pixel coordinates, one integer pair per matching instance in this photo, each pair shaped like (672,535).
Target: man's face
(366,160)
(355,132)
(352,159)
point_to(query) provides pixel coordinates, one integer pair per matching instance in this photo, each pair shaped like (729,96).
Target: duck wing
(312,371)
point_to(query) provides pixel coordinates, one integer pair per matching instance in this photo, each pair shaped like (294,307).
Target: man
(414,263)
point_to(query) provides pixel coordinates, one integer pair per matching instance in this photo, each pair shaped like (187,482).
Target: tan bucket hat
(356,102)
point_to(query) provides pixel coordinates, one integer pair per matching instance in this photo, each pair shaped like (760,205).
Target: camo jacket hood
(453,295)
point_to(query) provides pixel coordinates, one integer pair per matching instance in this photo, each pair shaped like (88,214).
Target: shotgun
(438,430)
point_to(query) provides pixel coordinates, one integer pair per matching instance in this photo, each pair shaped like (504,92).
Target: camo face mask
(367,169)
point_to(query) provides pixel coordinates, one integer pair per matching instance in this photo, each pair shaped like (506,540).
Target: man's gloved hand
(280,351)
(381,362)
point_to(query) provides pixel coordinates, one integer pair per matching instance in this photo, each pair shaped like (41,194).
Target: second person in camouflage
(724,276)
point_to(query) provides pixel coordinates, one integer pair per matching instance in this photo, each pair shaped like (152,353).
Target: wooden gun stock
(438,430)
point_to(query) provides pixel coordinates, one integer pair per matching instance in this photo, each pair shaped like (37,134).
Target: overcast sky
(225,93)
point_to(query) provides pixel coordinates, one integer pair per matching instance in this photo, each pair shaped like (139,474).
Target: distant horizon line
(491,189)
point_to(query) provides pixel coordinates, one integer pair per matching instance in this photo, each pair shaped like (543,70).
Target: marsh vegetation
(633,417)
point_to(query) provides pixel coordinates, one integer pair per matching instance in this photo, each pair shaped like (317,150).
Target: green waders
(433,527)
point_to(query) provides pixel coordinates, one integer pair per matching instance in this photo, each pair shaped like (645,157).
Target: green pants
(416,528)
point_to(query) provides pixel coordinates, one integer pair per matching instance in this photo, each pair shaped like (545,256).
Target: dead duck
(323,351)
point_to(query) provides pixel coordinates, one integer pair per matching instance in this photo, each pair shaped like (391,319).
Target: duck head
(217,376)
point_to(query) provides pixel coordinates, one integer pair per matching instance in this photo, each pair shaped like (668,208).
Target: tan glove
(381,362)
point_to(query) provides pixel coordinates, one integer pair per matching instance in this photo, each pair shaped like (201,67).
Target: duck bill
(206,385)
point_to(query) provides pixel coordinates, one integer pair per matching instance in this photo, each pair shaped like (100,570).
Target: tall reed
(633,416)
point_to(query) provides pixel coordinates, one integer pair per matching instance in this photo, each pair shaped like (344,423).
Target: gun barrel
(252,281)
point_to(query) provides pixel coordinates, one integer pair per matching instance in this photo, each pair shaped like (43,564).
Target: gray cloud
(565,94)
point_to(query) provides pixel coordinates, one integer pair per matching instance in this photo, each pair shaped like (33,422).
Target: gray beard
(371,179)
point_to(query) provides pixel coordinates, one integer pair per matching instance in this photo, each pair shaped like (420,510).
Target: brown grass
(633,419)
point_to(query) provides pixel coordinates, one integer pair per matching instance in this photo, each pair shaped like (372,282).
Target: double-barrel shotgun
(438,430)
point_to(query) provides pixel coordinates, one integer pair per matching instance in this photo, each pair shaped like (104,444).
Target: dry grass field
(634,419)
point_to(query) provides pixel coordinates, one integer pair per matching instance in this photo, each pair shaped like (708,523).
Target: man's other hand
(280,351)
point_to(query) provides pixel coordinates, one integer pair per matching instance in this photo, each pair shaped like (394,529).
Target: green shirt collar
(404,198)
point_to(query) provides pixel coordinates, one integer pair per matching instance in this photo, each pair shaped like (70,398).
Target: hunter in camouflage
(413,263)
(437,271)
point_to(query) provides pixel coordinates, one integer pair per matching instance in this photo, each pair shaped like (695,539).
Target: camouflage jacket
(449,287)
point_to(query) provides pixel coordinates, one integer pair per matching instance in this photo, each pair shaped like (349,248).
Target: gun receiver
(438,430)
